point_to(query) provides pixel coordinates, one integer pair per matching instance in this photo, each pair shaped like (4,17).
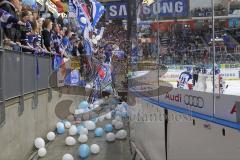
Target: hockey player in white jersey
(219,81)
(185,80)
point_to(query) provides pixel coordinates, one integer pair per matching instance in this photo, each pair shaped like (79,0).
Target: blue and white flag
(98,11)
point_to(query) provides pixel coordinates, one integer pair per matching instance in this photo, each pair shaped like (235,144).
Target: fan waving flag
(97,12)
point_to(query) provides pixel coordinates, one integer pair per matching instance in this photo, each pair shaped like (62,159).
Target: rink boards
(201,105)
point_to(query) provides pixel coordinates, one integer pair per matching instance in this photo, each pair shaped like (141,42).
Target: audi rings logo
(194,101)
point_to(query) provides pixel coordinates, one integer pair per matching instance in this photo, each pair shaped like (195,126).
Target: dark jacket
(12,33)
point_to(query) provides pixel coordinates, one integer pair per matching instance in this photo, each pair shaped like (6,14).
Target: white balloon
(118,118)
(101,118)
(83,131)
(67,125)
(79,111)
(70,141)
(39,143)
(110,137)
(42,152)
(95,149)
(67,157)
(83,20)
(122,134)
(83,138)
(60,125)
(109,116)
(73,130)
(91,106)
(118,125)
(51,136)
(90,125)
(114,122)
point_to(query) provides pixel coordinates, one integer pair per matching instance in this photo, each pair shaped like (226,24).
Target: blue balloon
(86,110)
(108,128)
(84,151)
(60,130)
(79,128)
(83,105)
(99,132)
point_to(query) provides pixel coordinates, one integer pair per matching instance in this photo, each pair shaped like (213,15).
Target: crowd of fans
(189,47)
(220,10)
(25,27)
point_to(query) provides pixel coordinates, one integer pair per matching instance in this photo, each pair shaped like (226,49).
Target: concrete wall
(18,134)
(185,141)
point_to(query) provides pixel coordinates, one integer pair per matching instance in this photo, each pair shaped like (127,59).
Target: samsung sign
(168,8)
(116,10)
(164,8)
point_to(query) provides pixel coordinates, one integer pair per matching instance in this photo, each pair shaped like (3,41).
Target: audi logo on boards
(194,101)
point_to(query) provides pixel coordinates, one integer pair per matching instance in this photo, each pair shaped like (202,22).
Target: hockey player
(219,81)
(196,71)
(185,80)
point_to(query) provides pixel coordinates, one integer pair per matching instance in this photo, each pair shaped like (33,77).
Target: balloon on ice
(95,149)
(90,125)
(73,130)
(42,152)
(84,151)
(108,128)
(83,138)
(70,141)
(110,137)
(39,143)
(61,130)
(67,124)
(118,118)
(83,131)
(99,132)
(122,134)
(67,157)
(118,125)
(79,128)
(114,122)
(109,116)
(59,124)
(51,136)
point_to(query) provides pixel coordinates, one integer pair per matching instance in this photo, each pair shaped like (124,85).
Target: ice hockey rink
(233,87)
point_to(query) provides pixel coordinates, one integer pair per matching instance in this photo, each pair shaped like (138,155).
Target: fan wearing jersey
(185,80)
